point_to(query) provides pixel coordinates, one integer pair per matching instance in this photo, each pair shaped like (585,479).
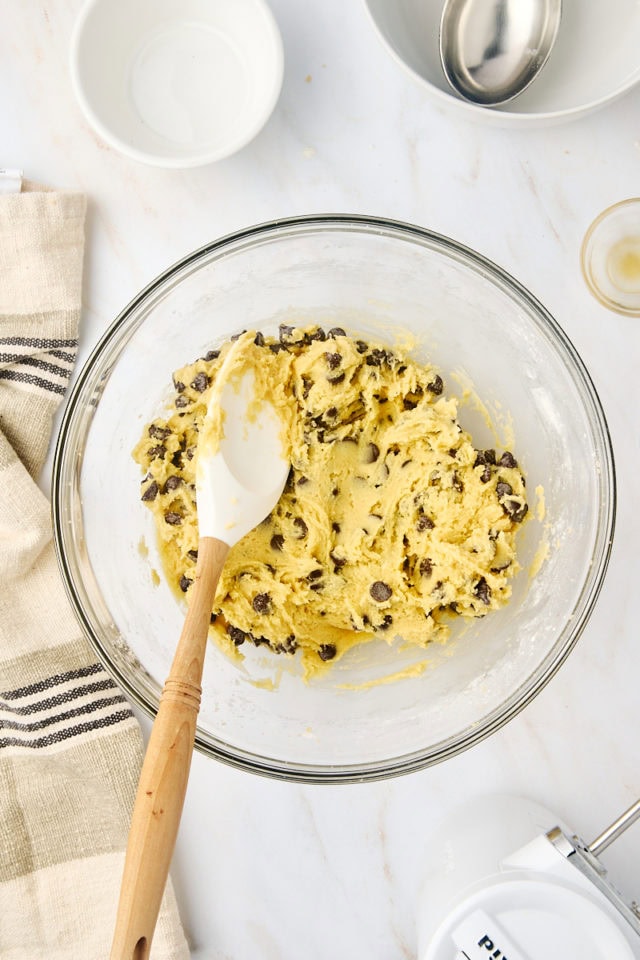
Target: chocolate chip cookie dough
(391,522)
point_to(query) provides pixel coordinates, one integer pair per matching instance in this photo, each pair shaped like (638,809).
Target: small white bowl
(595,59)
(177,83)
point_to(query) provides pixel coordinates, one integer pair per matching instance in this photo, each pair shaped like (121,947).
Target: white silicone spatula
(236,487)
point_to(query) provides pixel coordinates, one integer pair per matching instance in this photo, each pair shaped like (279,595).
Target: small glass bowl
(380,280)
(610,257)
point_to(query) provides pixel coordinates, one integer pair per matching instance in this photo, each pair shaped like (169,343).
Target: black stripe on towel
(58,736)
(41,685)
(61,355)
(30,378)
(82,711)
(61,698)
(37,342)
(26,361)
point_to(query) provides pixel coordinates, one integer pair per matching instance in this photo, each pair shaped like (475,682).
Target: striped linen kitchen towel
(70,747)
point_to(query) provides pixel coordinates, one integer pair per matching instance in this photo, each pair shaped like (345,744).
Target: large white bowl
(596,58)
(371,277)
(176,83)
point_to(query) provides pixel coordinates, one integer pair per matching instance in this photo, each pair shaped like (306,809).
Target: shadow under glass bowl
(376,278)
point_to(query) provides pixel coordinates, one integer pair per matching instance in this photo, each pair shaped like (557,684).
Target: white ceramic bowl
(595,59)
(176,83)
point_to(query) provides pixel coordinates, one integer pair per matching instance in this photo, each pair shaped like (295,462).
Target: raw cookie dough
(391,522)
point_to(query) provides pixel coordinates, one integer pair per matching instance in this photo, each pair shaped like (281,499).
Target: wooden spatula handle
(165,771)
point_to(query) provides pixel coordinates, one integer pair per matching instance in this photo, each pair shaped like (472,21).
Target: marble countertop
(273,870)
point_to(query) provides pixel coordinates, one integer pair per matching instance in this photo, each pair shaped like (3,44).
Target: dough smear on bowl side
(391,521)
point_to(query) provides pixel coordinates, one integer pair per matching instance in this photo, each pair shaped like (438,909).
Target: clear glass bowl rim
(65,461)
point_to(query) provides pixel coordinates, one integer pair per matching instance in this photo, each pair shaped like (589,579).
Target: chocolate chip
(291,644)
(259,339)
(333,360)
(318,334)
(485,476)
(376,358)
(336,332)
(508,460)
(338,562)
(371,453)
(288,646)
(178,385)
(318,585)
(173,518)
(361,346)
(515,510)
(213,618)
(453,452)
(302,480)
(261,603)
(151,492)
(456,482)
(286,334)
(277,541)
(335,527)
(172,483)
(192,554)
(327,651)
(409,403)
(212,355)
(158,451)
(405,463)
(482,590)
(335,491)
(503,489)
(237,635)
(189,453)
(436,386)
(485,456)
(424,523)
(386,623)
(182,402)
(185,583)
(337,379)
(380,591)
(200,382)
(315,574)
(307,383)
(236,336)
(176,459)
(302,527)
(426,567)
(160,433)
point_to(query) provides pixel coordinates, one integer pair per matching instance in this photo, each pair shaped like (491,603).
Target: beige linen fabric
(70,747)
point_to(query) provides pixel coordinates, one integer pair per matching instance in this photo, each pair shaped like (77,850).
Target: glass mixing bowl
(512,366)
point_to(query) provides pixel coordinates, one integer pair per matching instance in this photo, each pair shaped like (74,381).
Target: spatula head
(240,481)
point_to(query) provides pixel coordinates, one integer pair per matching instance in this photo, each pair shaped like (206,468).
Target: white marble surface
(272,870)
